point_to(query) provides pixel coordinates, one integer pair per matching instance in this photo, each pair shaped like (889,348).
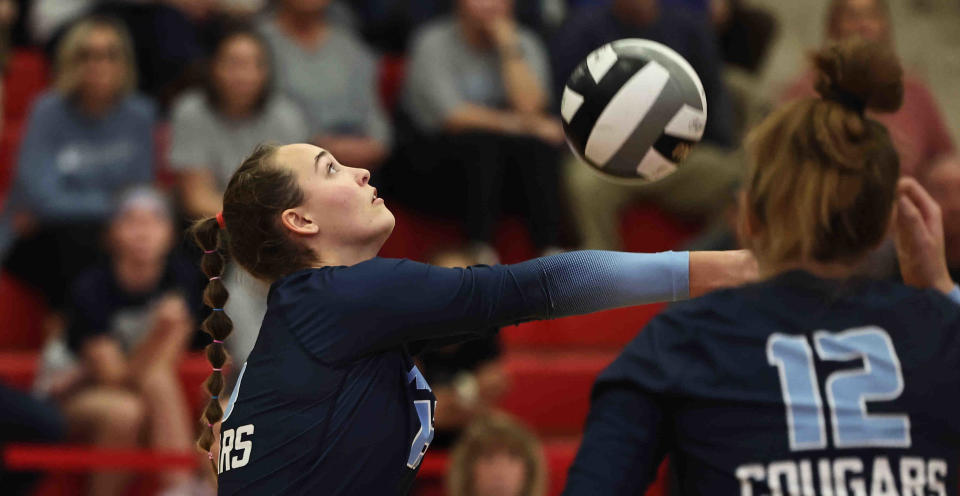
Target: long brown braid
(218,325)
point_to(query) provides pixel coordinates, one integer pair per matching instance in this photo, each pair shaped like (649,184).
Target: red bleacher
(551,365)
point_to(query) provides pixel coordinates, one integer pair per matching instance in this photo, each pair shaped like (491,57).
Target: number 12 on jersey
(848,391)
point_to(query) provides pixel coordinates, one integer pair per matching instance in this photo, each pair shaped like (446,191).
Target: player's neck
(823,270)
(345,255)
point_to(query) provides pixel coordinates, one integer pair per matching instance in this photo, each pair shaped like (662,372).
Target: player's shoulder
(332,282)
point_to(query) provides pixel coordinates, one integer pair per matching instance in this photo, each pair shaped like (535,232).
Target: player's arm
(622,444)
(920,241)
(627,432)
(384,303)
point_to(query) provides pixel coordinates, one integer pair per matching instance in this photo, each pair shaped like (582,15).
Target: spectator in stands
(167,34)
(700,187)
(497,456)
(333,76)
(24,419)
(87,139)
(918,129)
(128,323)
(467,378)
(943,182)
(237,109)
(478,85)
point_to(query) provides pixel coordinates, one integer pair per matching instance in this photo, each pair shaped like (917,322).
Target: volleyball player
(811,382)
(329,400)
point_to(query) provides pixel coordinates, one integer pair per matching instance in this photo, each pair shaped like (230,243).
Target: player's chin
(385,216)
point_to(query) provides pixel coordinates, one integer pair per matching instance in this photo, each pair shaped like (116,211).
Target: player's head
(496,455)
(291,207)
(867,19)
(822,176)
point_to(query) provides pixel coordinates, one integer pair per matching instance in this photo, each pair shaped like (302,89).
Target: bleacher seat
(646,228)
(611,330)
(551,391)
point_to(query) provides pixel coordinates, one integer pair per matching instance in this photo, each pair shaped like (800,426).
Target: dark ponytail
(207,234)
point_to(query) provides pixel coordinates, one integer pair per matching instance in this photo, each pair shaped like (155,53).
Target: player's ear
(297,223)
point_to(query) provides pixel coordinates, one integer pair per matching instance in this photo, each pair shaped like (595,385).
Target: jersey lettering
(425,414)
(845,476)
(848,391)
(231,442)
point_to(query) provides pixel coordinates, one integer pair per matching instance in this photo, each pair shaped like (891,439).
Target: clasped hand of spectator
(918,235)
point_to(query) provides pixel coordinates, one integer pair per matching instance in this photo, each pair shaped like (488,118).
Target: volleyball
(633,110)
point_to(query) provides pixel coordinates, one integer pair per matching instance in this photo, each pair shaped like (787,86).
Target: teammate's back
(814,381)
(797,385)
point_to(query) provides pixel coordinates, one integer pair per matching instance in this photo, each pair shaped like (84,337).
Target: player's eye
(331,169)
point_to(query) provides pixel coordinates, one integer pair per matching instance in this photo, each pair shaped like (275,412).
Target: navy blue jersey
(329,401)
(795,386)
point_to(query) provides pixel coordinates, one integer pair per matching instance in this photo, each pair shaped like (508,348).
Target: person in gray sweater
(88,138)
(332,75)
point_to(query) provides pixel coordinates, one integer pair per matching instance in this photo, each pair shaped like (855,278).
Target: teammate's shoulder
(926,301)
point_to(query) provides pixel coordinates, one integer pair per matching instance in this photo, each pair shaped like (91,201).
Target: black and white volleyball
(633,110)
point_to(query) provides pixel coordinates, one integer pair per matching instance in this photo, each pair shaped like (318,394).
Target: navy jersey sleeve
(340,313)
(624,441)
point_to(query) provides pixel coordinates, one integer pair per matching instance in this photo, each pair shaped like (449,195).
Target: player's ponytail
(823,174)
(208,233)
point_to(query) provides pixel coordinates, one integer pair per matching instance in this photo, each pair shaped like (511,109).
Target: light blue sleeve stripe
(955,294)
(591,280)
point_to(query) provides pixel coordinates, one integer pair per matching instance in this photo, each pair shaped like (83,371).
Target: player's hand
(918,235)
(711,270)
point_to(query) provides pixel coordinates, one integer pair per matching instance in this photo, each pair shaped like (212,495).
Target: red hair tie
(220,220)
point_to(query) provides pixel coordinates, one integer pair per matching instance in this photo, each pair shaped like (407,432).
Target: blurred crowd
(464,128)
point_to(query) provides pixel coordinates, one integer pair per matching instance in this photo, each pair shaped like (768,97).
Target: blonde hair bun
(859,74)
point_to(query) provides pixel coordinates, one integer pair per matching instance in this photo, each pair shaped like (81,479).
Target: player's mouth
(375,197)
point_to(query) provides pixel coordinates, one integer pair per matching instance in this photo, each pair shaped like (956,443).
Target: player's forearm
(711,270)
(591,280)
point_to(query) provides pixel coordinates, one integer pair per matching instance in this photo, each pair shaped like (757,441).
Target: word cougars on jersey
(912,476)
